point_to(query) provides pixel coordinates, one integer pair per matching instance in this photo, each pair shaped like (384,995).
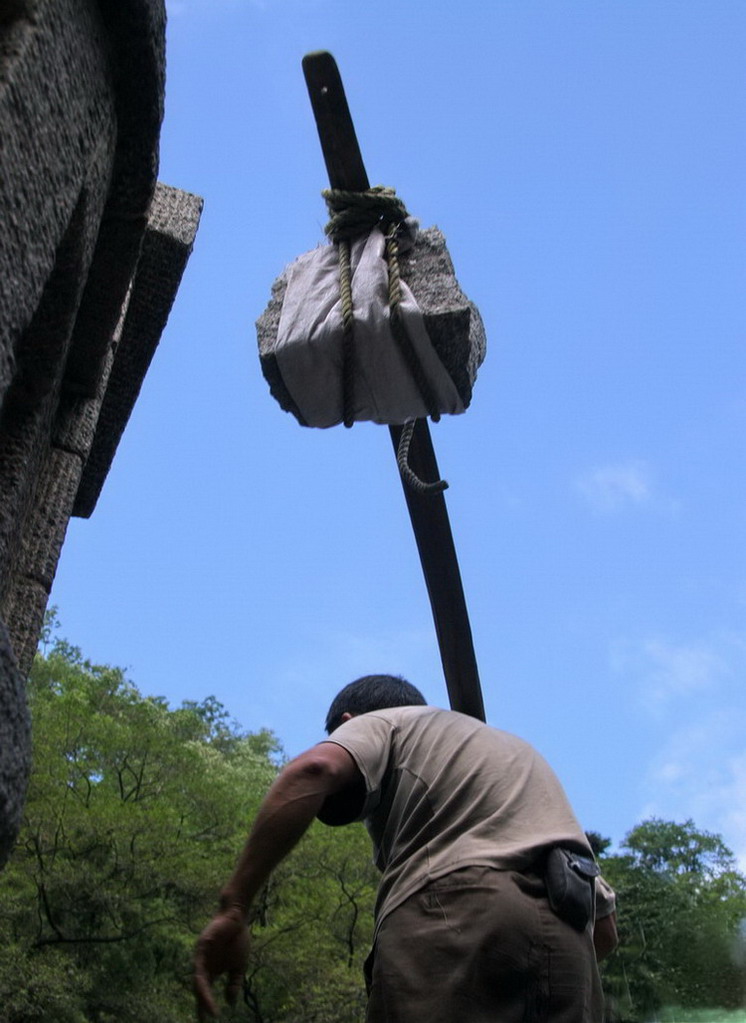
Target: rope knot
(356,213)
(353,214)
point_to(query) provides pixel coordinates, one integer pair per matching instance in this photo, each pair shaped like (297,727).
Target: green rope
(356,213)
(402,460)
(399,331)
(353,214)
(348,337)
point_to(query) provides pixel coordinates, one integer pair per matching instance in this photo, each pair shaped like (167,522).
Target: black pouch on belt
(570,886)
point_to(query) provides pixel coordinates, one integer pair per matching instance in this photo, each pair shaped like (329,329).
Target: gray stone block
(33,522)
(58,127)
(267,327)
(81,103)
(77,417)
(172,226)
(23,611)
(15,746)
(453,323)
(58,136)
(46,526)
(30,402)
(26,590)
(23,441)
(136,34)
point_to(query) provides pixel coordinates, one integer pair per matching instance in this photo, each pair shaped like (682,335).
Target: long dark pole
(432,530)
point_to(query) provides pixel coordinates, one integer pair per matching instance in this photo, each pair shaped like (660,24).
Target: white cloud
(700,773)
(679,670)
(665,672)
(612,488)
(308,681)
(693,693)
(608,488)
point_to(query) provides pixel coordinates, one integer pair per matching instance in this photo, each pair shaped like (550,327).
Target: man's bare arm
(286,813)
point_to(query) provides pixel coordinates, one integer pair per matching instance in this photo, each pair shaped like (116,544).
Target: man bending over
(470,827)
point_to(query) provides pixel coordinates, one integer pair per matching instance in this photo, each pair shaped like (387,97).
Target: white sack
(310,338)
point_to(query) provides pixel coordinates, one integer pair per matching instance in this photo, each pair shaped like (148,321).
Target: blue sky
(585,161)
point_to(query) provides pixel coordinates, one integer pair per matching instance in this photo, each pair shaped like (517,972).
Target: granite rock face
(453,323)
(15,745)
(92,251)
(172,224)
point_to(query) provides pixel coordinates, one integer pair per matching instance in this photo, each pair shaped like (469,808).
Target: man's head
(372,692)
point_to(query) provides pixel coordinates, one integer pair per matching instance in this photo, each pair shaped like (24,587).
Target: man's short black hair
(372,692)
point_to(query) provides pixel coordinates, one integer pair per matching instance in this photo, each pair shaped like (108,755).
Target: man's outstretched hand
(287,811)
(223,947)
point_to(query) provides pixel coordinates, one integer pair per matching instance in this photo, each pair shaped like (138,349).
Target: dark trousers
(482,946)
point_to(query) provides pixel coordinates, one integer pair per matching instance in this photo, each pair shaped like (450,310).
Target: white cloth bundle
(310,341)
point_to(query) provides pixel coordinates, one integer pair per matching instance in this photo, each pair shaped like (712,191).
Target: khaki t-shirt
(444,791)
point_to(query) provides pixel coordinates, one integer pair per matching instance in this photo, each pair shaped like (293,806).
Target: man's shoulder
(390,716)
(403,719)
(435,724)
(428,724)
(376,726)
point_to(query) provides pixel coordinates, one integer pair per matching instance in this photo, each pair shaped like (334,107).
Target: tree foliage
(681,910)
(134,817)
(313,932)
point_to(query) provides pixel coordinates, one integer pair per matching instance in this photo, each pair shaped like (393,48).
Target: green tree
(135,815)
(313,931)
(681,907)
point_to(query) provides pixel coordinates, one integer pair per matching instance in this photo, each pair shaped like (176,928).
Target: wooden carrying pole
(432,530)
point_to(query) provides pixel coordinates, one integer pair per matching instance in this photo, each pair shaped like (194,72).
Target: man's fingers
(202,985)
(221,948)
(206,1007)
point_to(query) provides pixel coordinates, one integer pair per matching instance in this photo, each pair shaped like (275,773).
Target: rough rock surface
(91,256)
(15,741)
(172,225)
